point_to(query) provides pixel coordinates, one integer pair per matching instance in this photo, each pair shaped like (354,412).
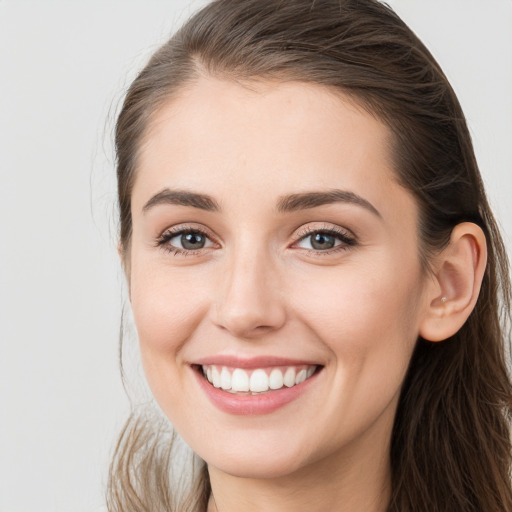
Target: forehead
(265,138)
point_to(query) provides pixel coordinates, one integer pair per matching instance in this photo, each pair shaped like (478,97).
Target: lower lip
(264,403)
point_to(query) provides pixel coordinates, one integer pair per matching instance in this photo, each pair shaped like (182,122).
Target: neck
(353,481)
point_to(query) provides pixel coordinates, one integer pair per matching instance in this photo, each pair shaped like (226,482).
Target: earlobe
(458,275)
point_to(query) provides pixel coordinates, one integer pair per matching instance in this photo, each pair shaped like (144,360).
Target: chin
(243,467)
(261,460)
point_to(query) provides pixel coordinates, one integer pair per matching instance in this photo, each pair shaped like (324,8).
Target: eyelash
(346,239)
(163,240)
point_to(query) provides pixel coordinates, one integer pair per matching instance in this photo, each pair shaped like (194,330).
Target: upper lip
(252,362)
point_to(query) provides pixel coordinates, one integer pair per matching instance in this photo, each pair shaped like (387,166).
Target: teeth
(225,379)
(276,379)
(259,381)
(238,380)
(301,377)
(289,377)
(215,377)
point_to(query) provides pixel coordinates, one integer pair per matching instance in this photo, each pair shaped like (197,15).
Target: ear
(454,289)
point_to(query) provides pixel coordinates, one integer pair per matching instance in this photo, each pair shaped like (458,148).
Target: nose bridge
(249,300)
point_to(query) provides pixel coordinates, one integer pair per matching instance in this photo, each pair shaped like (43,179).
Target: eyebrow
(285,204)
(307,200)
(183,198)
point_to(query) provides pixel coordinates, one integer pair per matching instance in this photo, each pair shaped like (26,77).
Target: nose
(249,302)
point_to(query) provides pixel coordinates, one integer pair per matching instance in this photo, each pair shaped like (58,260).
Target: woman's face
(272,244)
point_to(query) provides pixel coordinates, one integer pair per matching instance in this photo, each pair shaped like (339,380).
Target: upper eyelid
(301,231)
(304,231)
(181,228)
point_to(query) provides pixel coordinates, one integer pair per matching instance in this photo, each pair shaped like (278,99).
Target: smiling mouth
(242,381)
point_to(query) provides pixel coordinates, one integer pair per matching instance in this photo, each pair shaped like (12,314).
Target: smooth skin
(256,284)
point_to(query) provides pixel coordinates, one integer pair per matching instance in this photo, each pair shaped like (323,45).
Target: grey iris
(322,241)
(192,241)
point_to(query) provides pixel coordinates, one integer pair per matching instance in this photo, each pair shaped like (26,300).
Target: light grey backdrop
(63,69)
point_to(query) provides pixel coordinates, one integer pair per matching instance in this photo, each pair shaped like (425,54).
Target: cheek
(361,299)
(368,322)
(367,317)
(166,304)
(167,308)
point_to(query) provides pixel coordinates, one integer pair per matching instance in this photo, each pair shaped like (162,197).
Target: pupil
(192,241)
(322,241)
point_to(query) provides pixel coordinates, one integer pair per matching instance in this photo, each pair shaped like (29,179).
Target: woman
(318,284)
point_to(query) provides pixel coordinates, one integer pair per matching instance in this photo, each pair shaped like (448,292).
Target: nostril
(250,318)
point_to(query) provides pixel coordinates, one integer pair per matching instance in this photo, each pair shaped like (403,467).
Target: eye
(184,241)
(325,240)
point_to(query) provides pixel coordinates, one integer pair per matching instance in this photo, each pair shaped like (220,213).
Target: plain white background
(63,69)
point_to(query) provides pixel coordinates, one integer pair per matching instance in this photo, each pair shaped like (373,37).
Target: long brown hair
(450,447)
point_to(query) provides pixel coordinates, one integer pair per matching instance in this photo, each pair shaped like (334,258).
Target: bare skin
(337,284)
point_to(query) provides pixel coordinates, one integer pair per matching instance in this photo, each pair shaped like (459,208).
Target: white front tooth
(225,379)
(240,380)
(311,370)
(289,377)
(215,377)
(209,373)
(258,381)
(301,377)
(276,379)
